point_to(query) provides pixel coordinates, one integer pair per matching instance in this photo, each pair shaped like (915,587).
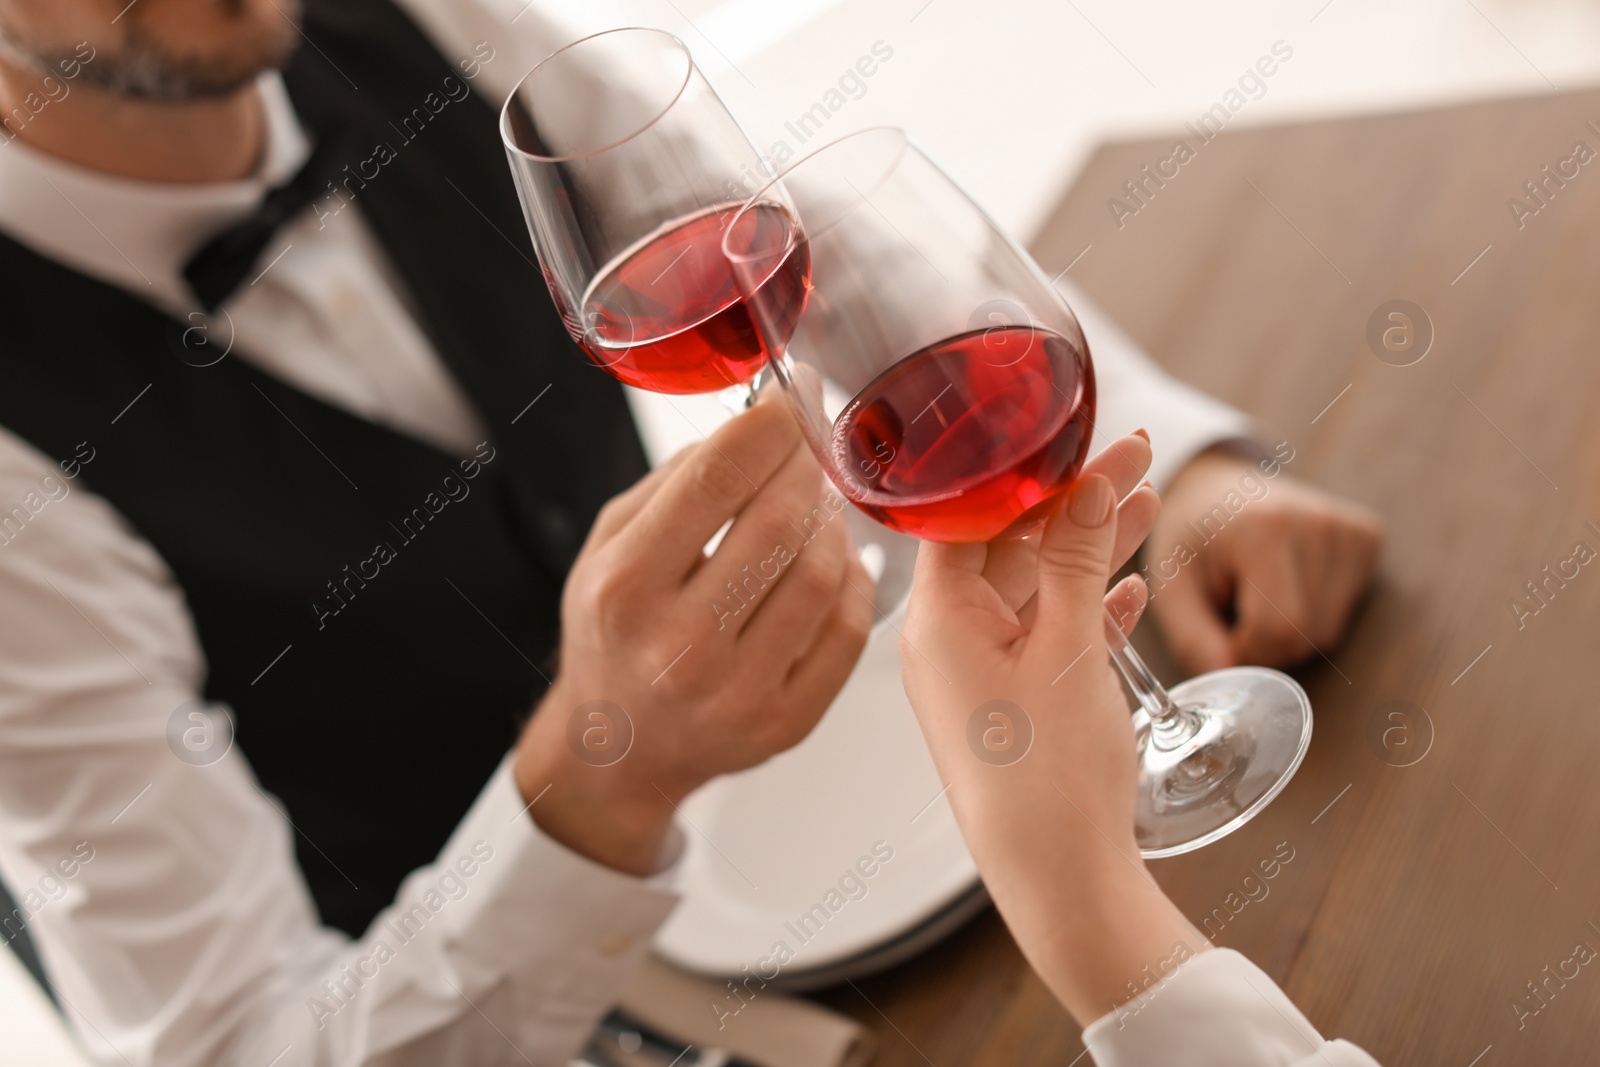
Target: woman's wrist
(1106,936)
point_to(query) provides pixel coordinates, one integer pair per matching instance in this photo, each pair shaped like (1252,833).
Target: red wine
(668,315)
(971,438)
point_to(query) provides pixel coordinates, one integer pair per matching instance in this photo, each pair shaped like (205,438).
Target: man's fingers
(1353,555)
(1273,610)
(786,520)
(1192,625)
(712,484)
(802,593)
(819,674)
(620,509)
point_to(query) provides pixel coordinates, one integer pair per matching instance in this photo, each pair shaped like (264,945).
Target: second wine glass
(947,390)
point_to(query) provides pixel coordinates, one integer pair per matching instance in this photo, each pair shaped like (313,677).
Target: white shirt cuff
(1134,392)
(565,931)
(1215,1010)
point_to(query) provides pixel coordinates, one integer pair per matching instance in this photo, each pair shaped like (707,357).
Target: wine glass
(628,167)
(946,388)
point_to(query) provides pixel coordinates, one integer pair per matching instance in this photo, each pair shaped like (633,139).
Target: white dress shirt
(164,897)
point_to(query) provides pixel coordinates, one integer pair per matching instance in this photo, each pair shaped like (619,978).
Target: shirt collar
(138,234)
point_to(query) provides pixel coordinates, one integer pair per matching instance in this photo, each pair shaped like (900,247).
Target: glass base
(1241,737)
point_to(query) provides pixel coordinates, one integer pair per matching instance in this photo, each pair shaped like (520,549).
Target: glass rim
(505,109)
(906,144)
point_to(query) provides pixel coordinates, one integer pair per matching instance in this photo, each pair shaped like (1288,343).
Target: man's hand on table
(1274,582)
(718,663)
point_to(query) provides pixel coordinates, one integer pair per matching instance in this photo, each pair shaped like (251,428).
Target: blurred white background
(1013,95)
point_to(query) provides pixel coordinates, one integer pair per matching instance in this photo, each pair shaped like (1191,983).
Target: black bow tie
(227,259)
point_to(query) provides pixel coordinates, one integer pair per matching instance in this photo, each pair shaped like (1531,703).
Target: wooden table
(1423,898)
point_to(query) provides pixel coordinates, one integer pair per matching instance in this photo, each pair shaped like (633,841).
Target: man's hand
(705,665)
(1244,568)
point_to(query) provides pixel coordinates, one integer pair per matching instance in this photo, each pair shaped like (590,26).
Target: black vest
(380,723)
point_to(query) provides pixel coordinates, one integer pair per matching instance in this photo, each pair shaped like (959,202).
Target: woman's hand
(1005,662)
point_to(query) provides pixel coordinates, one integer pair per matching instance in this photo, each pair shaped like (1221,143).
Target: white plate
(893,953)
(767,845)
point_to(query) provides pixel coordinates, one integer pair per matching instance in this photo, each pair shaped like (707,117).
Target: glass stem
(1170,725)
(742,397)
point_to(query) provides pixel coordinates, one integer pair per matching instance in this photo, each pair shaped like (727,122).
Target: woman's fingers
(1012,567)
(1135,517)
(1075,560)
(1127,601)
(1124,462)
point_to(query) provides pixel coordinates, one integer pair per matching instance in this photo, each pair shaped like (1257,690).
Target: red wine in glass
(668,316)
(972,437)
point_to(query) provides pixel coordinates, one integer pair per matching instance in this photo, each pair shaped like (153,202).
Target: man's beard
(145,67)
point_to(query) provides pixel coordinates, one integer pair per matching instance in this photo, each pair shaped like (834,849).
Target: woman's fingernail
(1144,433)
(1091,503)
